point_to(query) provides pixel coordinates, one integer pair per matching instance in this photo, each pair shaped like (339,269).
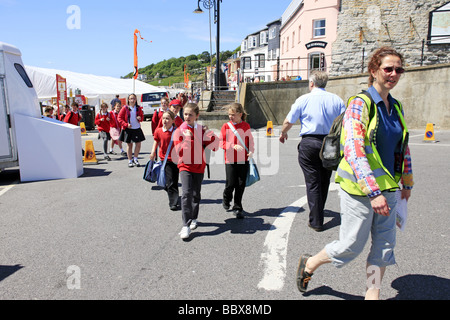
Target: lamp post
(208,4)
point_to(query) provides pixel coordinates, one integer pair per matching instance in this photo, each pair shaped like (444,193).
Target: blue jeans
(358,221)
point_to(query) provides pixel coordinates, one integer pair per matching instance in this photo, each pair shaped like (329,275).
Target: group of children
(123,124)
(187,161)
(69,115)
(183,142)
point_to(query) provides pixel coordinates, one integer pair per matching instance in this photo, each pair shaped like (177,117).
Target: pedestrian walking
(190,140)
(157,115)
(130,118)
(162,138)
(73,116)
(114,131)
(376,159)
(316,112)
(103,122)
(236,157)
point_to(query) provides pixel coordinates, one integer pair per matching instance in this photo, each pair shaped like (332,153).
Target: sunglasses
(391,69)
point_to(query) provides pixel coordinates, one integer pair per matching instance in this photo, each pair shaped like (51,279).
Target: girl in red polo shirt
(157,115)
(162,138)
(190,139)
(130,118)
(103,122)
(236,157)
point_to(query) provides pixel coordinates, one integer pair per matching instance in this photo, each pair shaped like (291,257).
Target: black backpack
(330,153)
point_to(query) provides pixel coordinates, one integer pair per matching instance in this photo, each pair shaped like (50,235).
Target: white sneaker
(185,232)
(193,225)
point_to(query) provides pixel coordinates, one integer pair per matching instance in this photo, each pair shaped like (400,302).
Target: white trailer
(17,95)
(42,148)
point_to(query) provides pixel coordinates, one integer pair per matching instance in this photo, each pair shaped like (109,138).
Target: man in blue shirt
(316,112)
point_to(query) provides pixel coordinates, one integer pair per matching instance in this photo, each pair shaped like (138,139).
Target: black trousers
(317,178)
(191,184)
(172,176)
(236,174)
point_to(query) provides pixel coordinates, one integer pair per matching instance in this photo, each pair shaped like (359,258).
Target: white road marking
(3,190)
(274,256)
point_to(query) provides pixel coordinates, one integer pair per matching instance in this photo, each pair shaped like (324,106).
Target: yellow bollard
(429,133)
(269,130)
(89,153)
(83,129)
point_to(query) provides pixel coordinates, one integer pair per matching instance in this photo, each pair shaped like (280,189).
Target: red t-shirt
(104,125)
(190,148)
(163,139)
(228,140)
(72,118)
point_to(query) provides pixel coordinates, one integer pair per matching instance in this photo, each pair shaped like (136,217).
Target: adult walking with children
(316,112)
(376,159)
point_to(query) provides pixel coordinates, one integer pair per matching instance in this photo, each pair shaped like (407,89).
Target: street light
(208,4)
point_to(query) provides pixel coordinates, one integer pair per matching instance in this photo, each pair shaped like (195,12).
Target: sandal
(303,277)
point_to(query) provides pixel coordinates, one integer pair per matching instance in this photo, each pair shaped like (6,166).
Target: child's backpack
(330,153)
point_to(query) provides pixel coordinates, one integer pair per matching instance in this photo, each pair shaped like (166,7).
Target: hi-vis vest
(345,176)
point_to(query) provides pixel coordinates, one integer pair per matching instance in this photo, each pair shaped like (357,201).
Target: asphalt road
(110,235)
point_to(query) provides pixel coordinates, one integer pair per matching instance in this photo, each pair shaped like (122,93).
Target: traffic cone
(83,129)
(269,130)
(89,153)
(429,133)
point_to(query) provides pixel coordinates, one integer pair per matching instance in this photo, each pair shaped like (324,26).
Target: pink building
(308,30)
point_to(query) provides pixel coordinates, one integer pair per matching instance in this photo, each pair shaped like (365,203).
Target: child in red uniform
(114,131)
(190,139)
(236,157)
(157,115)
(162,138)
(103,122)
(73,117)
(174,106)
(130,118)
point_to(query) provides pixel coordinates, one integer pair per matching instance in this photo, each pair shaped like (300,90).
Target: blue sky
(103,45)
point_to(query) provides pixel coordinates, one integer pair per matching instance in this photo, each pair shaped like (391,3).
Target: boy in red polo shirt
(73,116)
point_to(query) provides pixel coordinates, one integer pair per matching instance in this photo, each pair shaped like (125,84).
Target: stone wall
(370,24)
(423,92)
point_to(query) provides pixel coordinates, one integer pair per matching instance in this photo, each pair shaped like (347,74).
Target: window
(252,42)
(293,39)
(247,63)
(287,44)
(260,61)
(264,37)
(244,45)
(23,74)
(299,31)
(316,61)
(273,33)
(319,28)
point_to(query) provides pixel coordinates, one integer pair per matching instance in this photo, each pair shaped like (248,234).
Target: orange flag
(186,78)
(136,72)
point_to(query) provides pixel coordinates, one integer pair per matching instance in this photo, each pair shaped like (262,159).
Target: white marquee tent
(97,89)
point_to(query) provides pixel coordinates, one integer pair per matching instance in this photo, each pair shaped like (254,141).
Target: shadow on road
(6,271)
(421,287)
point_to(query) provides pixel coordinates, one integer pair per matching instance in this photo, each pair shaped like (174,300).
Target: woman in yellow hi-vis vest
(374,142)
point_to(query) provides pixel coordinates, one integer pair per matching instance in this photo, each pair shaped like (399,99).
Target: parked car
(152,101)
